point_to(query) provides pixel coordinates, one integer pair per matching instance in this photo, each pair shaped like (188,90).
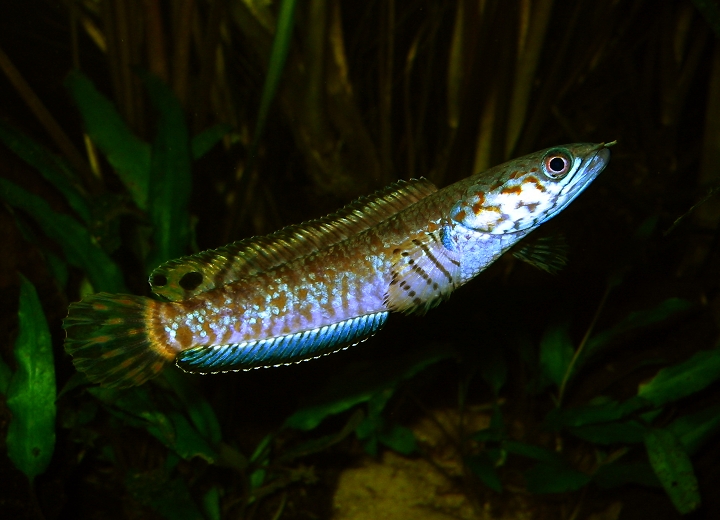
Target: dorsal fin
(191,275)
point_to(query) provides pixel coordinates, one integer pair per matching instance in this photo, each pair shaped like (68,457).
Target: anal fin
(281,350)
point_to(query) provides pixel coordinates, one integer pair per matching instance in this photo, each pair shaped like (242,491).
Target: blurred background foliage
(140,130)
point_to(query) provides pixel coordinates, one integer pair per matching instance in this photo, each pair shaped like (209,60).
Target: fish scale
(315,288)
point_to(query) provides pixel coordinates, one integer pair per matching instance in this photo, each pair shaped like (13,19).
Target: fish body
(315,288)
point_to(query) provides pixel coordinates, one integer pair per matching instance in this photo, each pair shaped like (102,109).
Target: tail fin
(108,338)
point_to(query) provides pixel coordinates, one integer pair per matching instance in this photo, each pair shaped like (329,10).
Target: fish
(315,288)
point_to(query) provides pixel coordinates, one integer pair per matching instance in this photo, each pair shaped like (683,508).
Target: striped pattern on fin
(188,276)
(281,350)
(424,273)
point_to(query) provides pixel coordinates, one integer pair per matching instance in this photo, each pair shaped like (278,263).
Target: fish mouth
(586,173)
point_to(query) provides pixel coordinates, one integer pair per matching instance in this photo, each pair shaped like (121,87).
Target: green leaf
(51,167)
(278,56)
(359,384)
(532,452)
(620,474)
(128,155)
(554,478)
(601,411)
(198,409)
(205,140)
(638,320)
(79,248)
(136,408)
(694,430)
(611,433)
(399,438)
(686,378)
(482,466)
(31,393)
(170,175)
(556,352)
(673,467)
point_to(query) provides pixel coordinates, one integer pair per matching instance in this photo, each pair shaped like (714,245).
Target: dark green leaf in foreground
(482,467)
(673,467)
(686,378)
(349,388)
(695,429)
(128,155)
(638,320)
(205,140)
(624,432)
(53,169)
(549,477)
(75,240)
(31,394)
(170,182)
(556,352)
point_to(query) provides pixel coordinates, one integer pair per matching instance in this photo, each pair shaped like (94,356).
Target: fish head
(523,193)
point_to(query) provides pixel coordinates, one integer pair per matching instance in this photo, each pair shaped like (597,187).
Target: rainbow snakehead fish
(315,288)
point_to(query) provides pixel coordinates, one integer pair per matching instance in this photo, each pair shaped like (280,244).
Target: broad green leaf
(205,140)
(31,393)
(211,504)
(493,369)
(324,442)
(128,155)
(197,408)
(170,177)
(611,433)
(399,438)
(531,451)
(556,352)
(482,466)
(599,412)
(547,477)
(673,467)
(77,244)
(136,408)
(620,474)
(638,320)
(686,378)
(51,167)
(695,429)
(358,385)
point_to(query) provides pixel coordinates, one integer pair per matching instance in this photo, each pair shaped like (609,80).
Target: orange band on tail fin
(109,340)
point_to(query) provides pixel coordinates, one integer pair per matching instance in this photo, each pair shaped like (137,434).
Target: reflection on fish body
(318,287)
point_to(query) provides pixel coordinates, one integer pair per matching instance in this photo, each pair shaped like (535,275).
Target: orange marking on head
(481,196)
(460,215)
(99,306)
(302,294)
(534,180)
(514,174)
(496,185)
(533,169)
(510,191)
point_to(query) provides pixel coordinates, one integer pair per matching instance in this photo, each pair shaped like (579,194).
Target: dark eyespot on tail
(108,339)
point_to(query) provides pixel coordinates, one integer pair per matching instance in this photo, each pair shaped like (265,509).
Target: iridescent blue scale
(281,350)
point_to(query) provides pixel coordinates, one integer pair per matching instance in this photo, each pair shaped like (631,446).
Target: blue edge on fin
(281,350)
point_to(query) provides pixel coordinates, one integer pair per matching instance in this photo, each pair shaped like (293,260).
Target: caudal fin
(108,338)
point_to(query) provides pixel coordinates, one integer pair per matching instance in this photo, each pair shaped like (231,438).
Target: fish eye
(556,164)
